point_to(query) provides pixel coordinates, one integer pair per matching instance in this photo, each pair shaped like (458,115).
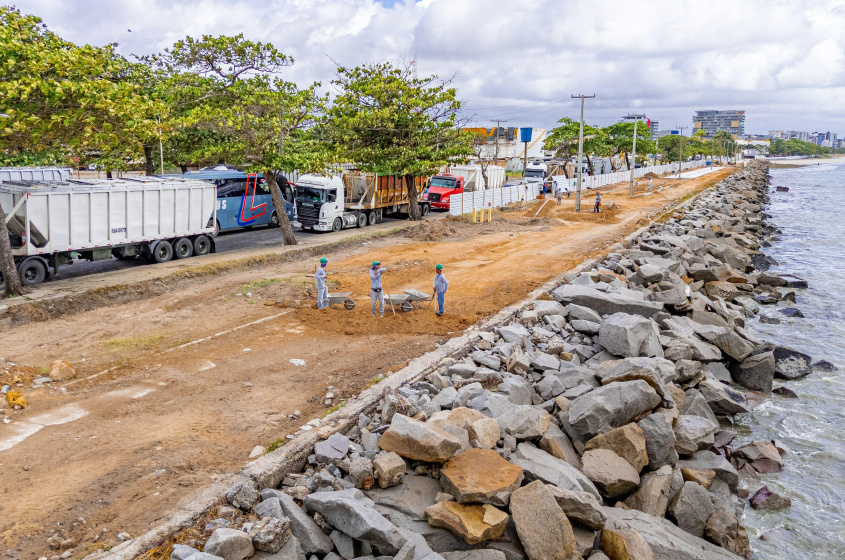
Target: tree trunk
(149,164)
(184,168)
(279,203)
(413,204)
(589,164)
(7,262)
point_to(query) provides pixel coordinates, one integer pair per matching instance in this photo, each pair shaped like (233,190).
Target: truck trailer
(35,174)
(354,199)
(53,223)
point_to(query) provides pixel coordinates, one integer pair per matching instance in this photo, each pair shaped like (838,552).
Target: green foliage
(795,147)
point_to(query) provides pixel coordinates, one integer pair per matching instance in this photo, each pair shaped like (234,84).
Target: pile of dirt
(430,231)
(651,175)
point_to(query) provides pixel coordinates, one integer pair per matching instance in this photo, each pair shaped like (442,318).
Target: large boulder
(356,519)
(623,334)
(581,507)
(625,544)
(539,465)
(484,433)
(727,340)
(659,440)
(543,528)
(725,530)
(721,398)
(613,476)
(756,372)
(654,371)
(473,523)
(611,406)
(691,508)
(626,441)
(694,433)
(791,364)
(419,441)
(524,422)
(762,455)
(332,449)
(605,303)
(304,528)
(270,534)
(707,460)
(229,544)
(389,469)
(556,443)
(652,497)
(480,476)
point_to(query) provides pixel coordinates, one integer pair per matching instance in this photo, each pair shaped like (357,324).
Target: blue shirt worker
(597,207)
(440,287)
(376,293)
(322,289)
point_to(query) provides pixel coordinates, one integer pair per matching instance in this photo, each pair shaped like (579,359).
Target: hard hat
(439,267)
(376,263)
(324,260)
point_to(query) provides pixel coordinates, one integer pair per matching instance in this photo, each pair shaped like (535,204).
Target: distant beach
(801,162)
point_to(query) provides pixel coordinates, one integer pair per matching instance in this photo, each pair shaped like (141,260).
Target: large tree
(388,121)
(562,141)
(620,138)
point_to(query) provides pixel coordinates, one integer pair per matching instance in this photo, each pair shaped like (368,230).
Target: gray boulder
(652,497)
(356,519)
(304,528)
(727,340)
(547,307)
(605,303)
(515,333)
(581,507)
(411,497)
(691,508)
(580,313)
(524,422)
(477,554)
(696,405)
(707,460)
(539,465)
(611,406)
(694,433)
(270,534)
(613,476)
(721,398)
(229,544)
(332,449)
(517,389)
(242,495)
(623,334)
(756,372)
(659,440)
(542,361)
(542,527)
(791,364)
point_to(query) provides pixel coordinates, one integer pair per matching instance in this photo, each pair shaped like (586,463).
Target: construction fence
(596,181)
(492,198)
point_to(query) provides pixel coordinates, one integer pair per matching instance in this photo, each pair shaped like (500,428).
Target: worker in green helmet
(322,289)
(440,287)
(376,293)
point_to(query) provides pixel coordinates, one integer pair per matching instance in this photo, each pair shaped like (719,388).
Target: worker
(597,207)
(649,184)
(440,287)
(566,188)
(322,289)
(558,194)
(376,293)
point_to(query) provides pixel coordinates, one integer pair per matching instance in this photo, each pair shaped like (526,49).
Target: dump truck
(460,179)
(353,199)
(51,224)
(35,173)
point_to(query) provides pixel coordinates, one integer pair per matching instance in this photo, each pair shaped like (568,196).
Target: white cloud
(520,60)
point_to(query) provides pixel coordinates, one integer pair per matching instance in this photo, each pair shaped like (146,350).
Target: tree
(8,271)
(389,122)
(479,142)
(620,138)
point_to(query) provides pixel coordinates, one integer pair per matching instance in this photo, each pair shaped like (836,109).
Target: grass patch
(275,444)
(546,297)
(259,284)
(43,370)
(135,342)
(374,381)
(333,409)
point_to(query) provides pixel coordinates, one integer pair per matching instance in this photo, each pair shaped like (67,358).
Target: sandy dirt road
(148,420)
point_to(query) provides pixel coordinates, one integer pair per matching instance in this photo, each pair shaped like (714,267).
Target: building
(789,135)
(654,127)
(713,121)
(505,142)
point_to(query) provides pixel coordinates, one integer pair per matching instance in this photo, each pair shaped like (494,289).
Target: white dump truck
(35,173)
(53,223)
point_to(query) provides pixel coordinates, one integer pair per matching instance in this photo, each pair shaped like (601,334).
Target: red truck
(441,187)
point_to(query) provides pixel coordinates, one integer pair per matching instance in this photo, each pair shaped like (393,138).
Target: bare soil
(175,388)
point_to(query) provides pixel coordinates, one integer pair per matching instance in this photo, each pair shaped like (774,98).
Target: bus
(244,199)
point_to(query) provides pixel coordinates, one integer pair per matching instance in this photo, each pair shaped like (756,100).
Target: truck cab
(535,172)
(319,203)
(441,187)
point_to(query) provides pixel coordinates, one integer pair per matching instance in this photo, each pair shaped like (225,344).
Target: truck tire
(32,272)
(424,209)
(183,248)
(371,218)
(362,220)
(337,224)
(202,245)
(162,252)
(216,228)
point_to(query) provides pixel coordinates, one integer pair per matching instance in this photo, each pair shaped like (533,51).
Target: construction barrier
(492,198)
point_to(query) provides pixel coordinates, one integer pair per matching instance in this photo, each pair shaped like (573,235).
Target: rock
(727,340)
(725,530)
(580,313)
(696,405)
(487,360)
(467,393)
(304,528)
(626,441)
(517,389)
(360,471)
(765,499)
(605,303)
(769,279)
(718,371)
(791,312)
(461,417)
(415,440)
(785,392)
(462,369)
(547,307)
(762,455)
(480,476)
(543,362)
(476,554)
(659,440)
(587,327)
(581,507)
(61,371)
(691,508)
(791,364)
(446,397)
(517,362)
(409,498)
(332,449)
(356,519)
(611,406)
(182,552)
(622,334)
(472,522)
(539,465)
(524,422)
(484,433)
(667,542)
(514,333)
(725,290)
(693,433)
(229,544)
(270,534)
(613,476)
(704,477)
(721,398)
(652,497)
(389,469)
(707,460)
(543,529)
(291,550)
(625,544)
(654,371)
(242,495)
(756,372)
(557,444)
(824,366)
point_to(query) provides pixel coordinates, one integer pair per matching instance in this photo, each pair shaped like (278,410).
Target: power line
(518,104)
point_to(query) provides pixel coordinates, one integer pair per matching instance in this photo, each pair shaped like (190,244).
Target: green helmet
(376,263)
(324,260)
(439,267)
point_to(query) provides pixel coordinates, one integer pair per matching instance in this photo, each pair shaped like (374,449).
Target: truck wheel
(362,220)
(32,272)
(274,220)
(216,228)
(371,218)
(337,224)
(202,245)
(163,252)
(424,208)
(183,249)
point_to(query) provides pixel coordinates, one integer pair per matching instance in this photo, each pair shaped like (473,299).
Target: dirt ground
(173,390)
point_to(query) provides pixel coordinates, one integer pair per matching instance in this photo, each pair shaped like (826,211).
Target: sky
(781,61)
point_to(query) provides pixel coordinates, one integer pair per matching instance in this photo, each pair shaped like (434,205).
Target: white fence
(491,198)
(596,181)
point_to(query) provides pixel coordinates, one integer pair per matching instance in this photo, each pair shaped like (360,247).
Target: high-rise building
(628,118)
(713,121)
(789,135)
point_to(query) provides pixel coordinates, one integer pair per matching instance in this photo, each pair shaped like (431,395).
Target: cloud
(520,60)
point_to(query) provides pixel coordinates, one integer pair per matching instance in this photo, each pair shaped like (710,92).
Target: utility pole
(498,126)
(681,150)
(634,165)
(580,151)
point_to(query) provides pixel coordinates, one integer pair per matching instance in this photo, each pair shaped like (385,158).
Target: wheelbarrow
(342,297)
(414,296)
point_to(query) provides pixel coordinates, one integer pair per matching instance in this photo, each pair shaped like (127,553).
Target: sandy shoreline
(801,162)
